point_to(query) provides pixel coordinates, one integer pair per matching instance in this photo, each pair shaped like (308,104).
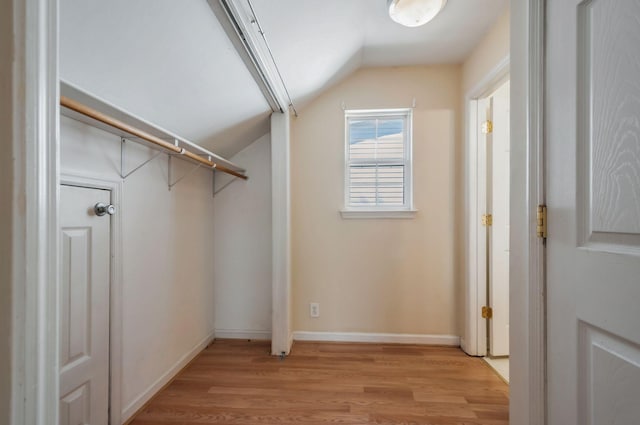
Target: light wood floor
(237,382)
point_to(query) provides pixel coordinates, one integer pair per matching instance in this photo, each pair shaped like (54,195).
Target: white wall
(167,248)
(490,52)
(491,49)
(378,275)
(242,247)
(7,207)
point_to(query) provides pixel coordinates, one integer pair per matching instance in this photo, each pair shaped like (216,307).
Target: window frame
(380,211)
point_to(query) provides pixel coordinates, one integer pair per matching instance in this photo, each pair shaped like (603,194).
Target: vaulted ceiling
(316,42)
(171,62)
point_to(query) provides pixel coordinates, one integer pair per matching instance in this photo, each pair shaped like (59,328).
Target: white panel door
(84,312)
(499,231)
(592,116)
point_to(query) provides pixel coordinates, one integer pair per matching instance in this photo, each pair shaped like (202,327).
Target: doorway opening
(488,226)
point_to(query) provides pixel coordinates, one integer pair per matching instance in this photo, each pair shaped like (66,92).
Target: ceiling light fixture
(413,13)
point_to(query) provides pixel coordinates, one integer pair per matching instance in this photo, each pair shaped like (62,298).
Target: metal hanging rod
(150,138)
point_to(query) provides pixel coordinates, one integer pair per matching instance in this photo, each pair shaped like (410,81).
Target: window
(378,162)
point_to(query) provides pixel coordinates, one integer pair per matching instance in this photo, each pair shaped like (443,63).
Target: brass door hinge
(541,228)
(487,127)
(487,312)
(487,219)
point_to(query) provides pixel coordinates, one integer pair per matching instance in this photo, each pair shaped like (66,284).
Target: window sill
(378,213)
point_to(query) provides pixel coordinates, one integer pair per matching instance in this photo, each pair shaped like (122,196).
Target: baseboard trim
(424,339)
(136,405)
(242,334)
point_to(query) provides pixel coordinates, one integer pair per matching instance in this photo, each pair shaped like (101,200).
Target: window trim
(405,211)
(361,213)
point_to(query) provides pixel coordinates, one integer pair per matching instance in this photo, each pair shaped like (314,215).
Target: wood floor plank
(237,382)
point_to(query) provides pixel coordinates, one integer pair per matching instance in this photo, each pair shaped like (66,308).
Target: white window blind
(378,160)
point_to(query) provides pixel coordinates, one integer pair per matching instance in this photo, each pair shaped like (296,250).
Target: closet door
(84,307)
(498,188)
(592,149)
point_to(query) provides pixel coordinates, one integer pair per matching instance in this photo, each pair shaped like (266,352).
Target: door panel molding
(607,148)
(72,351)
(75,406)
(603,358)
(115,310)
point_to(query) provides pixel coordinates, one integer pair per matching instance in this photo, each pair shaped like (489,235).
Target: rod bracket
(124,175)
(172,183)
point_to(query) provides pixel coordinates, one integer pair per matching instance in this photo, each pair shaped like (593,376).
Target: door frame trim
(528,392)
(115,286)
(475,336)
(34,251)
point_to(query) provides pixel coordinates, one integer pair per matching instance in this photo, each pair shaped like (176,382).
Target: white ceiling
(316,42)
(167,61)
(171,62)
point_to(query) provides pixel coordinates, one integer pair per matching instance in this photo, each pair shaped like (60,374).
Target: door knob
(102,209)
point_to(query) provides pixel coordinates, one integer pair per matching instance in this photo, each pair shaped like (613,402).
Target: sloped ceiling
(167,61)
(171,62)
(316,42)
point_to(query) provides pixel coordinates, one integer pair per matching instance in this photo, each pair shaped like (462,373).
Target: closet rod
(103,118)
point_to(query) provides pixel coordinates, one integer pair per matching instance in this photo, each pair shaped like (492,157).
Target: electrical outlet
(314,309)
